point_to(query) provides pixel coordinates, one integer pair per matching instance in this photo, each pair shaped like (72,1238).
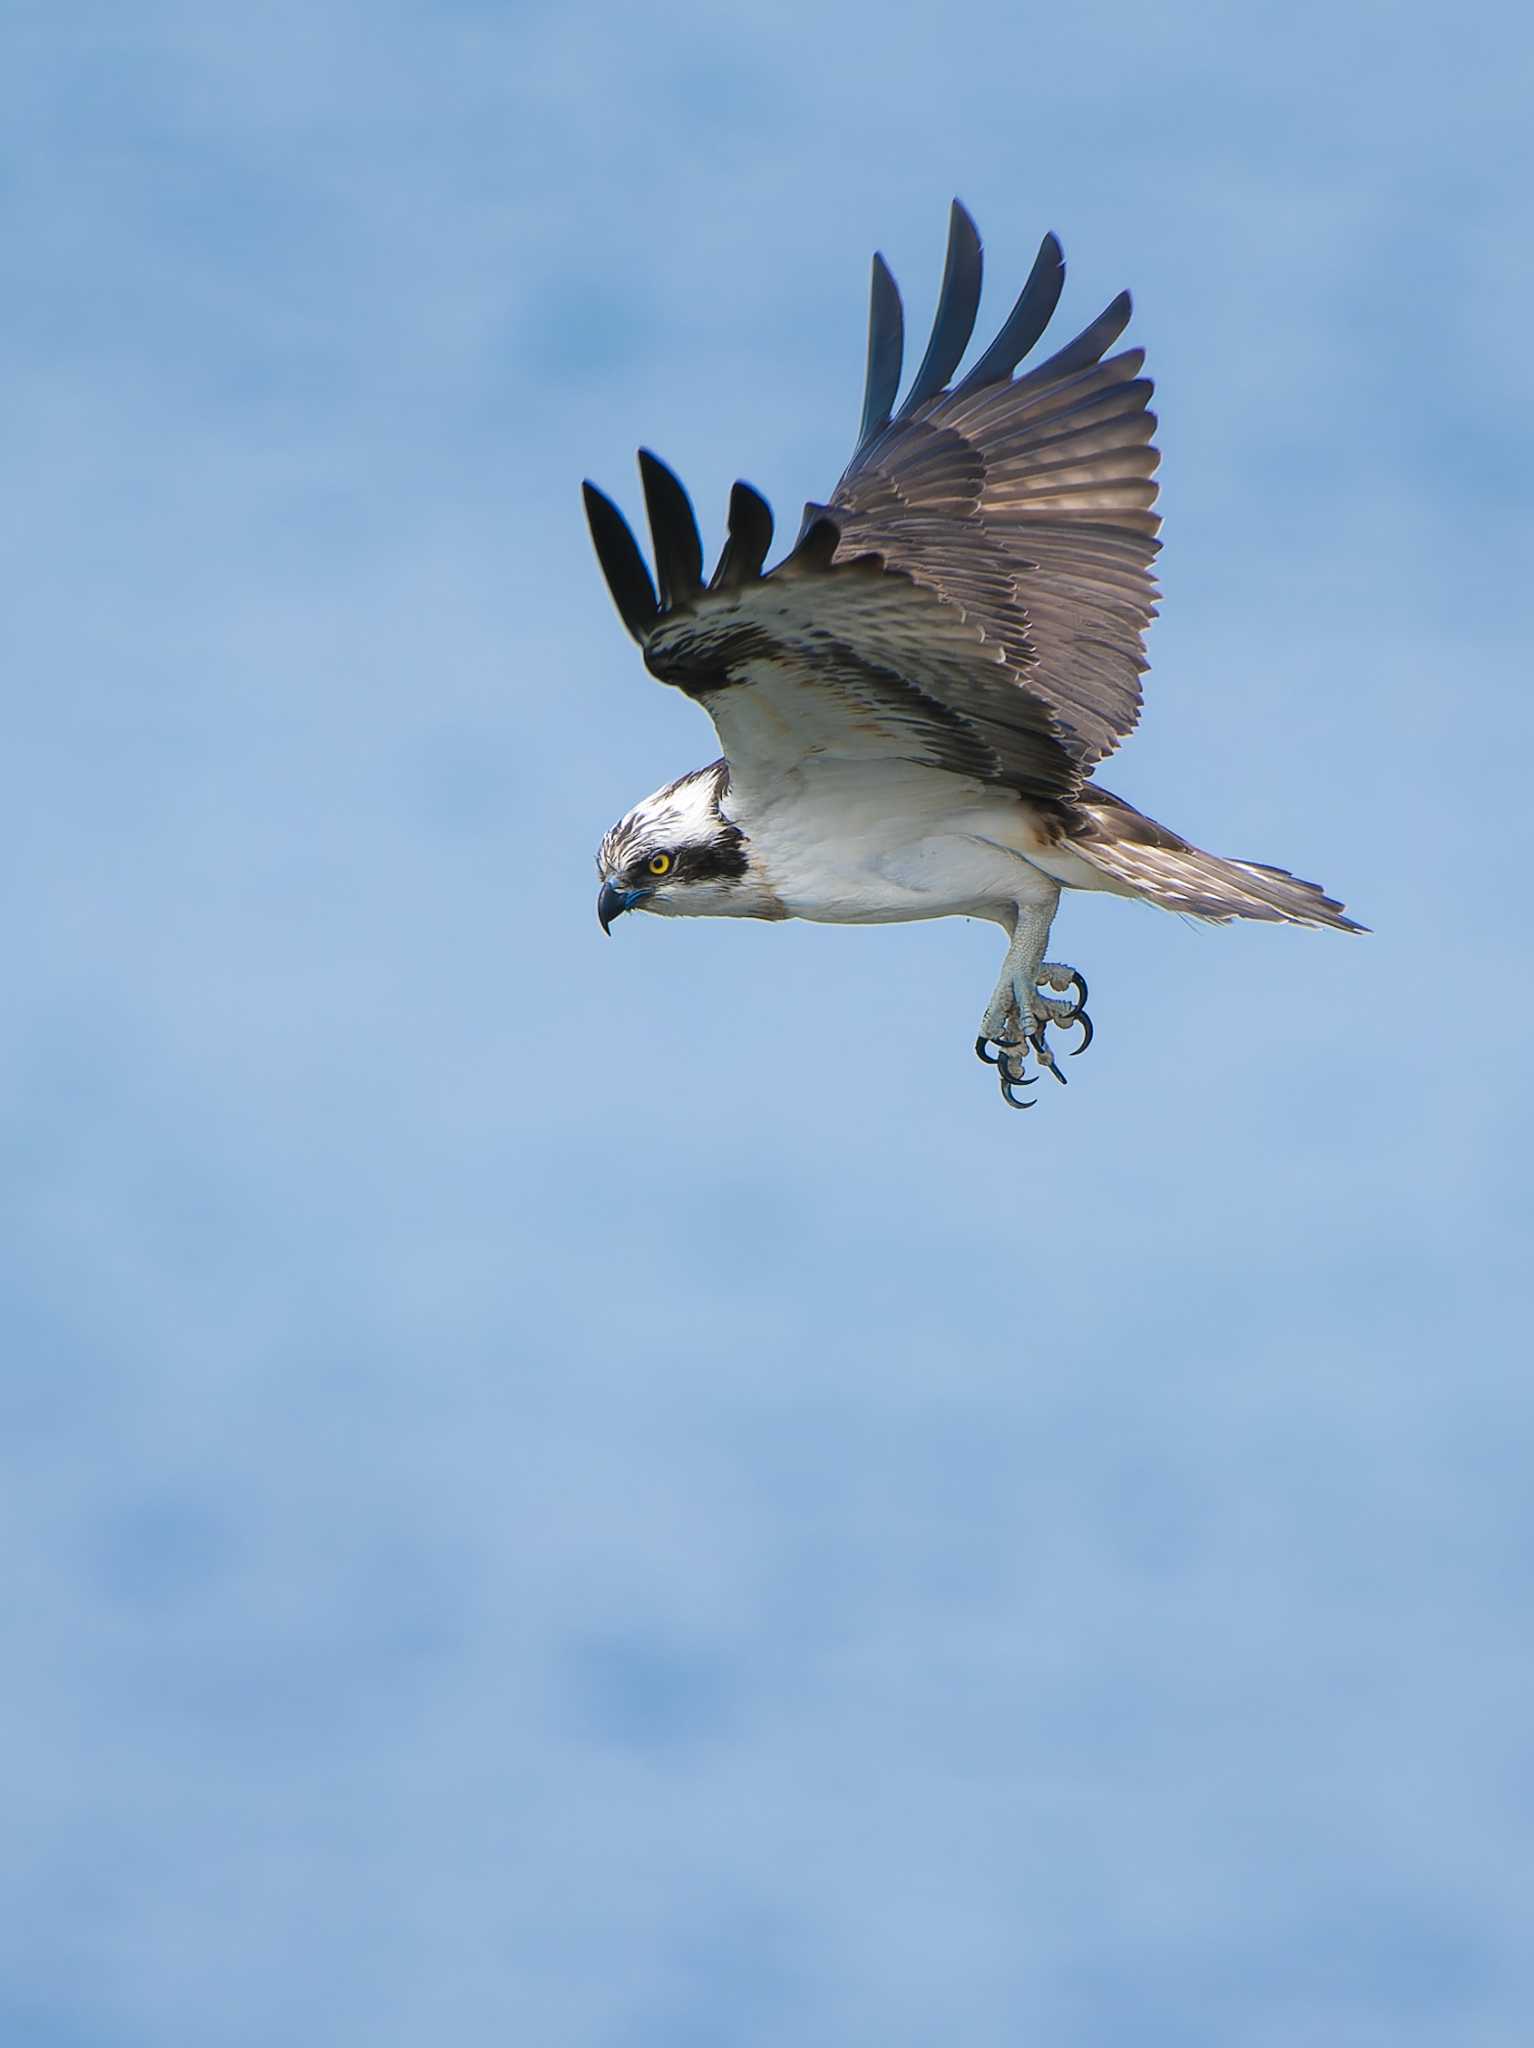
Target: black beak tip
(611,903)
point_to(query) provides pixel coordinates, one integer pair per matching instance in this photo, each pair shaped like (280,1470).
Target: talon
(1024,1014)
(1046,1058)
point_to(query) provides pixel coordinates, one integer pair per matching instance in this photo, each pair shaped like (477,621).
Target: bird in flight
(914,702)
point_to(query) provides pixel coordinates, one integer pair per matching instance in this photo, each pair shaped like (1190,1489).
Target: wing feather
(623,565)
(1028,502)
(674,530)
(958,301)
(1034,310)
(839,657)
(750,537)
(886,349)
(975,595)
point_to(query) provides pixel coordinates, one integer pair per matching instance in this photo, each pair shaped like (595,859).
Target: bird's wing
(829,656)
(1023,500)
(973,598)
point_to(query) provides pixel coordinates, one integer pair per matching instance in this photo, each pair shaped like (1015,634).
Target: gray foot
(1017,1021)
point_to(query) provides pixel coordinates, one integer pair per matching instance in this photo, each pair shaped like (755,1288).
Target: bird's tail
(1145,859)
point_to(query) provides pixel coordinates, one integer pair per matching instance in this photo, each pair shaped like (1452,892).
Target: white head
(678,855)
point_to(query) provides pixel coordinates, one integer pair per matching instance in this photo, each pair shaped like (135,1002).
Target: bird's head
(678,855)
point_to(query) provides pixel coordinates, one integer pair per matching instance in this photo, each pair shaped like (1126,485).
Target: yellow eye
(659,863)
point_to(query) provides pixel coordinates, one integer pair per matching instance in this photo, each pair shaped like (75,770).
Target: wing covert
(1027,502)
(976,593)
(826,656)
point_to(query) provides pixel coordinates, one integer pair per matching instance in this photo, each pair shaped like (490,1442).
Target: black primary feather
(886,349)
(817,543)
(1027,320)
(1087,348)
(750,537)
(622,564)
(674,531)
(958,302)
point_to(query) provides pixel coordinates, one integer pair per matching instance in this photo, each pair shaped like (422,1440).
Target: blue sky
(607,1493)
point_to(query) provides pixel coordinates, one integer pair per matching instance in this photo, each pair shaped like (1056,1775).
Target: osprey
(914,702)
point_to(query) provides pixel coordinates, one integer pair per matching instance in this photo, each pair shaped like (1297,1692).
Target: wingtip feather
(886,350)
(1031,313)
(750,537)
(957,304)
(623,566)
(673,530)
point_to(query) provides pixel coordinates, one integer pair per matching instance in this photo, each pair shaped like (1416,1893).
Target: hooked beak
(612,902)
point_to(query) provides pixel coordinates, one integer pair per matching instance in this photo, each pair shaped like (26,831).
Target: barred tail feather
(1148,860)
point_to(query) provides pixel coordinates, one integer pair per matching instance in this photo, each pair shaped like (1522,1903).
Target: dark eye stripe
(722,859)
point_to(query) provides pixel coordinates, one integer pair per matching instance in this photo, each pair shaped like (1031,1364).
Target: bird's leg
(1011,1021)
(1018,1015)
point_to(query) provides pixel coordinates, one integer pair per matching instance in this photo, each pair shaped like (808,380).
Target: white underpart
(848,824)
(888,842)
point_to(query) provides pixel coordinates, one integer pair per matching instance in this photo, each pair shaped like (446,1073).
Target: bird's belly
(939,874)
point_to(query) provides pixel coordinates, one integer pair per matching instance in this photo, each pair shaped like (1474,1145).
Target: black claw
(980,1051)
(1009,1098)
(1085,1022)
(1079,980)
(1047,1059)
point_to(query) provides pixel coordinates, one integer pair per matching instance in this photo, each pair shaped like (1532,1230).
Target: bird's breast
(892,852)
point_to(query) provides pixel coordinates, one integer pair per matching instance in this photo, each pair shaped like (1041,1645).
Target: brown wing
(975,595)
(825,658)
(1025,501)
